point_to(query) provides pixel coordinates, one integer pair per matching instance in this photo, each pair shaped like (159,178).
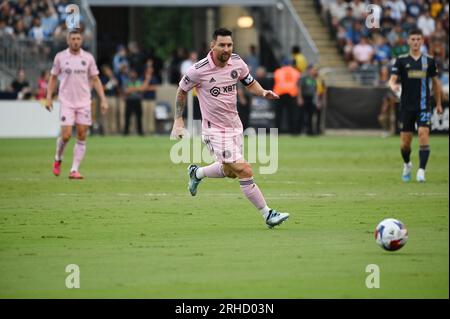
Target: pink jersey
(74,71)
(217,90)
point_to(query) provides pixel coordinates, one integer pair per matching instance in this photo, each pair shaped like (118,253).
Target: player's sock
(265,211)
(60,146)
(252,192)
(424,153)
(406,152)
(212,171)
(78,154)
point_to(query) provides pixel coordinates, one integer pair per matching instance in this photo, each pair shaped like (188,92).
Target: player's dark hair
(74,31)
(222,32)
(415,32)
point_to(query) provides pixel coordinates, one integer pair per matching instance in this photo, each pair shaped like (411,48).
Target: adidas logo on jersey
(212,80)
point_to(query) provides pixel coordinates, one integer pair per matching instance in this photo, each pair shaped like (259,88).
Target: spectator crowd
(373,48)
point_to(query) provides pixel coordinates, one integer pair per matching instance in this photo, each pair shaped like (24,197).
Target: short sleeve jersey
(414,77)
(74,72)
(217,90)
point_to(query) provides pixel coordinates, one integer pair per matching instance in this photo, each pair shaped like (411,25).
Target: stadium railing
(284,29)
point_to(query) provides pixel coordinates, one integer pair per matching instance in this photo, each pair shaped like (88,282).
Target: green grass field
(135,231)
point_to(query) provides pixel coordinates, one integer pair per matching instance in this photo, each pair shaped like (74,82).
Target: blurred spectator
(426,24)
(286,86)
(135,57)
(382,50)
(133,95)
(414,8)
(359,9)
(308,100)
(252,59)
(337,12)
(387,23)
(20,32)
(42,85)
(111,87)
(177,57)
(149,99)
(400,48)
(27,17)
(186,64)
(300,61)
(60,36)
(5,30)
(387,117)
(363,53)
(49,20)
(21,86)
(398,8)
(120,58)
(37,31)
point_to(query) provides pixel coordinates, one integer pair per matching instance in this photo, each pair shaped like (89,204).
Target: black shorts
(408,119)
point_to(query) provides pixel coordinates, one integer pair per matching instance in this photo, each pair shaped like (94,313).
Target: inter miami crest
(234,74)
(83,62)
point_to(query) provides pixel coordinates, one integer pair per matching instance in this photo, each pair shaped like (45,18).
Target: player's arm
(51,87)
(393,80)
(437,94)
(256,89)
(98,86)
(395,87)
(178,123)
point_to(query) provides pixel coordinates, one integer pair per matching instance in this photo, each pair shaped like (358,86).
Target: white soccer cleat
(275,218)
(420,177)
(406,175)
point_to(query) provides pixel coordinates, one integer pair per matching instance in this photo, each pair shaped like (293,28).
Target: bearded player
(76,70)
(215,79)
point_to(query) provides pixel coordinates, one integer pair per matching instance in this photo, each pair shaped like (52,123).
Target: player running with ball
(75,69)
(215,79)
(414,71)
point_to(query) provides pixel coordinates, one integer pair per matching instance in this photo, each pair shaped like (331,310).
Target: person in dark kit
(414,70)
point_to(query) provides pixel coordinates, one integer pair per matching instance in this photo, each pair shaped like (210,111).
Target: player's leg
(244,172)
(79,151)
(197,173)
(61,142)
(83,121)
(424,152)
(67,120)
(407,122)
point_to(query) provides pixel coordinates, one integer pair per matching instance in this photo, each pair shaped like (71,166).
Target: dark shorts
(408,119)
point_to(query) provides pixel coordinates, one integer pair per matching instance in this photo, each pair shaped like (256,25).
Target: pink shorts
(225,148)
(70,116)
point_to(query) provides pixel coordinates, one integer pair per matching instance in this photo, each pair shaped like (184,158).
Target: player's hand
(178,129)
(270,95)
(300,101)
(395,88)
(104,106)
(49,104)
(439,109)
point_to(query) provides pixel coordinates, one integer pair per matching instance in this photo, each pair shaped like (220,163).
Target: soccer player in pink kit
(215,79)
(75,69)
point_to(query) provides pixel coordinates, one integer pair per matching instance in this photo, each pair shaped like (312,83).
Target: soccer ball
(391,234)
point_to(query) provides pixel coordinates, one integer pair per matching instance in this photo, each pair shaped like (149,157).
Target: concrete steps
(329,55)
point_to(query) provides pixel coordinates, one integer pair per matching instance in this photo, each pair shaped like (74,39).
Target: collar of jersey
(213,65)
(80,55)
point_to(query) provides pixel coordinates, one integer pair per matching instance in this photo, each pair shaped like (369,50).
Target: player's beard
(224,57)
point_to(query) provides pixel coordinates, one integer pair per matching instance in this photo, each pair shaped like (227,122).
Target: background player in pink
(76,70)
(215,78)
